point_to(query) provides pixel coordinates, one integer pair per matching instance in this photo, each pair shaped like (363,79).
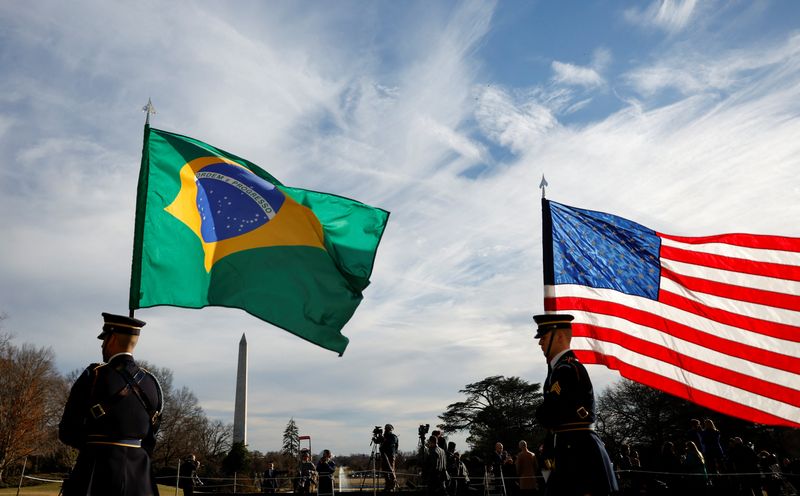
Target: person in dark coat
(670,466)
(694,465)
(269,483)
(743,460)
(389,444)
(111,417)
(497,458)
(714,454)
(458,485)
(188,474)
(576,459)
(325,469)
(435,468)
(441,441)
(695,434)
(509,470)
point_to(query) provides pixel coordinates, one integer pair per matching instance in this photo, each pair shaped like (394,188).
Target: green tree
(238,459)
(291,440)
(496,409)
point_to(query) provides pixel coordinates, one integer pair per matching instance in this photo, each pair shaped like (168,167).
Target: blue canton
(604,251)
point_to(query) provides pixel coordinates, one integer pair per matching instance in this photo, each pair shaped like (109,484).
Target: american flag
(714,320)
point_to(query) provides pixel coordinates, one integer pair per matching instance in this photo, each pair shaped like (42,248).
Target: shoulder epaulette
(94,369)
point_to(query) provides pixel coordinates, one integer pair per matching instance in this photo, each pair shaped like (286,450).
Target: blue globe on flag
(233,201)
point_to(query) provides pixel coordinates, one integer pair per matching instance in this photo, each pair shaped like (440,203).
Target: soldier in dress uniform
(112,416)
(574,455)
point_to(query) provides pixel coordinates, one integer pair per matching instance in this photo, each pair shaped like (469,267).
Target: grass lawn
(52,490)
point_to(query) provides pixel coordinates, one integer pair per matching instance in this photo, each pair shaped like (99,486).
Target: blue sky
(683,116)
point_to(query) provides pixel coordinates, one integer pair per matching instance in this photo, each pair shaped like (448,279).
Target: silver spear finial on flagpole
(150,111)
(543,185)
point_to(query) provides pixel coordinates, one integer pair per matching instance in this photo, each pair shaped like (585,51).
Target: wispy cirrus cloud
(690,72)
(669,15)
(515,122)
(576,75)
(585,76)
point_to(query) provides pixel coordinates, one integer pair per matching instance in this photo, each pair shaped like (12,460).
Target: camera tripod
(421,449)
(373,460)
(373,457)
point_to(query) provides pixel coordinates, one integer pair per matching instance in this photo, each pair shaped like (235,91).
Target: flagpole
(543,186)
(548,277)
(149,110)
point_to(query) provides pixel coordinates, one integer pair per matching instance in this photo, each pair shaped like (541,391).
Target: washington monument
(240,408)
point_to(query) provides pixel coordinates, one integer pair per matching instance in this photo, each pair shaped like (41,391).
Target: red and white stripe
(724,333)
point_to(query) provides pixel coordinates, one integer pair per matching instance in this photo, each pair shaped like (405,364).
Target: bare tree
(215,439)
(29,409)
(183,421)
(633,413)
(5,337)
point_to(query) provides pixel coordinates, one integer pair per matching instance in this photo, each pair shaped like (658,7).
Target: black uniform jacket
(578,458)
(113,424)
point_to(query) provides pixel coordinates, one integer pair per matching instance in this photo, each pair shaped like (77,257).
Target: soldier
(112,416)
(574,455)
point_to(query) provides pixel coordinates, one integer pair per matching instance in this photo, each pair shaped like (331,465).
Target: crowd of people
(445,473)
(309,478)
(700,463)
(703,462)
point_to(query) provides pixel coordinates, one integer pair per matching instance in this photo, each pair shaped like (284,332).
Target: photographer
(188,475)
(388,449)
(422,432)
(325,469)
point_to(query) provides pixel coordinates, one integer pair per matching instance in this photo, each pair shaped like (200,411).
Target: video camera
(423,430)
(377,434)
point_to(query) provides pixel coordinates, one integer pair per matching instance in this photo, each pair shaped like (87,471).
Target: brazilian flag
(213,229)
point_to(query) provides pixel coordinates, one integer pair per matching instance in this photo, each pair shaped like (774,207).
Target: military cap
(552,321)
(120,324)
